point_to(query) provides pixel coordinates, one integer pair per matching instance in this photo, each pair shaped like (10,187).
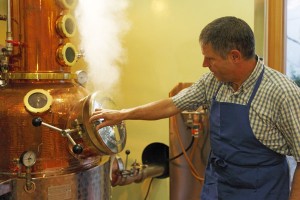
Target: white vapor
(101,23)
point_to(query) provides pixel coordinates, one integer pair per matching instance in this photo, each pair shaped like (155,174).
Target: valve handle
(77,149)
(37,121)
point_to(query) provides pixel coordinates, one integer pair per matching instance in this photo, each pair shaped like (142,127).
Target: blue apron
(240,167)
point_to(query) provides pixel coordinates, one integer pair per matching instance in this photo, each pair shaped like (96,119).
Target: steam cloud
(101,24)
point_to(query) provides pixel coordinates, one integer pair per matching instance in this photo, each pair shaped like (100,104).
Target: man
(254,117)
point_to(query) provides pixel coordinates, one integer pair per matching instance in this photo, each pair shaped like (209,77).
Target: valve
(193,120)
(127,154)
(15,43)
(77,149)
(155,164)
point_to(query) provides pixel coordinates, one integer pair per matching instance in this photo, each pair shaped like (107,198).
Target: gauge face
(28,158)
(82,77)
(38,101)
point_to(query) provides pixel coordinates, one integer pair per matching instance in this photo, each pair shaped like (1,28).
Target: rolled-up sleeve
(193,97)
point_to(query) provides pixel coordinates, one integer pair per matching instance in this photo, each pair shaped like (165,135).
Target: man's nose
(206,63)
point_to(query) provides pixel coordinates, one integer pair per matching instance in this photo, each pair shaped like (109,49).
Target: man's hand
(107,117)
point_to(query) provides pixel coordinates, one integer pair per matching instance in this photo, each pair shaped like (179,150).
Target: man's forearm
(151,111)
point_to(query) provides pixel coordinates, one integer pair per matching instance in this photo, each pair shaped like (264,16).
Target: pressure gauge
(28,158)
(82,77)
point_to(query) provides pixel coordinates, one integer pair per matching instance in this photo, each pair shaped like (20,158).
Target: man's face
(222,68)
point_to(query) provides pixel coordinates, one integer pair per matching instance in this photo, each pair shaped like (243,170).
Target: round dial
(28,158)
(82,77)
(38,101)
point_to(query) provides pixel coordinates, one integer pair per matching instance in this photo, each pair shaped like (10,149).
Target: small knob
(127,153)
(37,121)
(77,149)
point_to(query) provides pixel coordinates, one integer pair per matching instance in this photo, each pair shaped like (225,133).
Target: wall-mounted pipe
(155,158)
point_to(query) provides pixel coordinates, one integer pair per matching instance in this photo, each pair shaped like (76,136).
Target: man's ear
(235,56)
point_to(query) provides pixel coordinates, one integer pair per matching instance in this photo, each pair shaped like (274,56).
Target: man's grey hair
(229,33)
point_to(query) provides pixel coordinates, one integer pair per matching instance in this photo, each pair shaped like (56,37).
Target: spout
(136,174)
(155,159)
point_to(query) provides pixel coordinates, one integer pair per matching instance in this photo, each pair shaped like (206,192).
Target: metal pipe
(8,16)
(137,175)
(28,179)
(150,171)
(9,37)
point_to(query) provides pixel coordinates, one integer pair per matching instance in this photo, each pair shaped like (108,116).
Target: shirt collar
(251,80)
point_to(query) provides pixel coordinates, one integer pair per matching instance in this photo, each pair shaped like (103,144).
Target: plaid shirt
(274,113)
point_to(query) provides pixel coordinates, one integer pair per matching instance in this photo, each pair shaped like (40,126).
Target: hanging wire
(193,171)
(149,186)
(190,145)
(175,157)
(190,164)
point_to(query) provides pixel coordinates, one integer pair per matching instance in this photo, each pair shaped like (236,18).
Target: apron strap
(256,87)
(215,94)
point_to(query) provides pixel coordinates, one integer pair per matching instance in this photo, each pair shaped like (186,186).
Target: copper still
(48,148)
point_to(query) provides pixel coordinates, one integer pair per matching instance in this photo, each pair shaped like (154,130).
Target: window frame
(276,34)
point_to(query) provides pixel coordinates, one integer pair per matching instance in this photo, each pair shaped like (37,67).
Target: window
(292,61)
(283,37)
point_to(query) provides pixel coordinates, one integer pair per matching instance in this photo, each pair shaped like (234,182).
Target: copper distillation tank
(48,148)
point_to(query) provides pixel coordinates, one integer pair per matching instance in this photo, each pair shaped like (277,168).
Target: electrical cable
(190,145)
(195,145)
(205,136)
(171,159)
(192,168)
(184,150)
(149,186)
